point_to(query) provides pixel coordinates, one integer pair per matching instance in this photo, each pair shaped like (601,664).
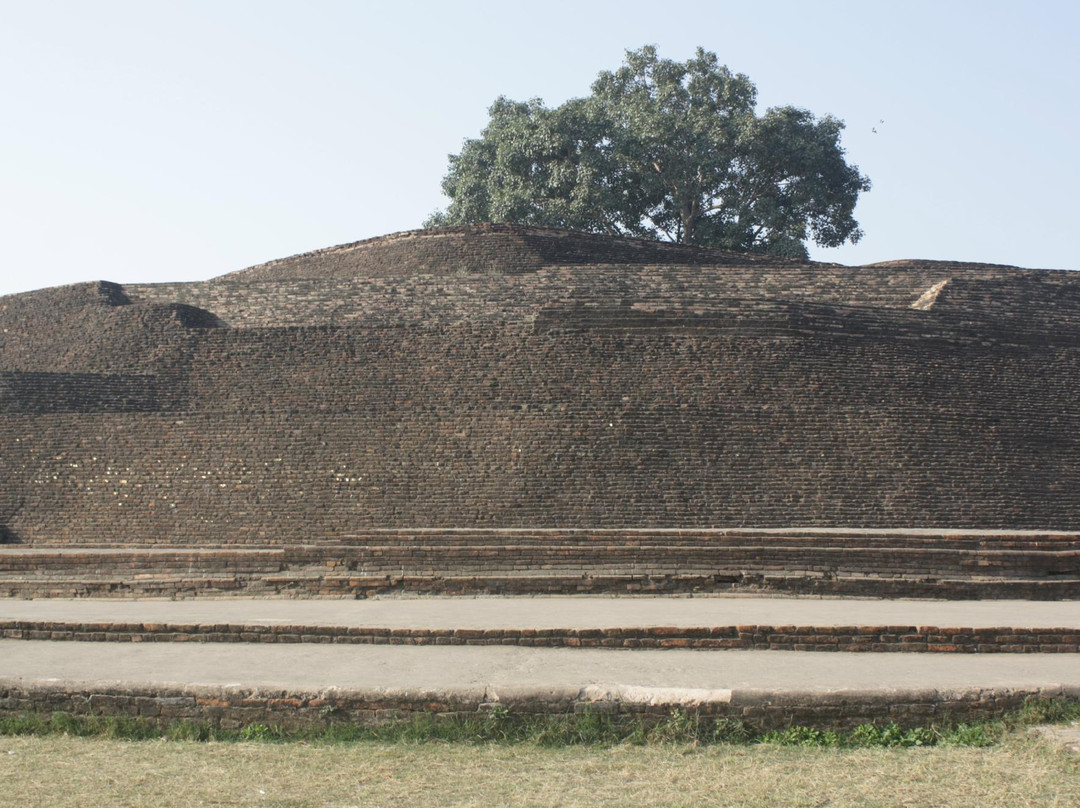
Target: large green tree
(662,149)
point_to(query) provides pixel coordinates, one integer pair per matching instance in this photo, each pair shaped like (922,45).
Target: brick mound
(508,409)
(497,248)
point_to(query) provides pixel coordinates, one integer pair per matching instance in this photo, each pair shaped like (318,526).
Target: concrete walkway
(556,612)
(494,668)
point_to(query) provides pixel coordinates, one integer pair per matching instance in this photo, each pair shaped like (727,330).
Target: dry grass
(64,771)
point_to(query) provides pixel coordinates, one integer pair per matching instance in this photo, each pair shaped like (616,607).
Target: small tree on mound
(666,150)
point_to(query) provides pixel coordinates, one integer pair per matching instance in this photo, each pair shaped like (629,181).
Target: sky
(172,141)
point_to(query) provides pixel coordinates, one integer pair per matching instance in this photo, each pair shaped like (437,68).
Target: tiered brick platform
(574,414)
(315,662)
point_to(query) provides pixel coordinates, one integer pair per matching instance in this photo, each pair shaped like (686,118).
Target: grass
(499,759)
(64,770)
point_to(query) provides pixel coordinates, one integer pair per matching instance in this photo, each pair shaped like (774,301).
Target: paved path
(314,667)
(557,612)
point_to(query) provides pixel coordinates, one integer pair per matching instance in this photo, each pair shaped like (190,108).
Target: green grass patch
(499,726)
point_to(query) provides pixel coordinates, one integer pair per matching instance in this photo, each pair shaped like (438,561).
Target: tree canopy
(667,150)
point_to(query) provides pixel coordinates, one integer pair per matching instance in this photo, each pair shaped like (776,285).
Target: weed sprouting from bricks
(500,726)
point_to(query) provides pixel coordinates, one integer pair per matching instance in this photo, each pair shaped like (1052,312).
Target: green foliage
(587,729)
(260,732)
(662,149)
(893,735)
(190,731)
(801,736)
(1046,711)
(730,730)
(978,735)
(66,724)
(680,727)
(62,723)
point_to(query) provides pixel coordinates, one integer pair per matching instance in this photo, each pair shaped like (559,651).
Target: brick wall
(574,396)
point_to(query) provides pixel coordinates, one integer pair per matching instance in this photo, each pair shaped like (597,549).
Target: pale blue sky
(154,141)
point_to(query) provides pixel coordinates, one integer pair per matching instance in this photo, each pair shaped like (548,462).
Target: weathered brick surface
(232,708)
(506,377)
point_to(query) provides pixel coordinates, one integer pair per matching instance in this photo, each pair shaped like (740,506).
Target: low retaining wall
(925,639)
(233,708)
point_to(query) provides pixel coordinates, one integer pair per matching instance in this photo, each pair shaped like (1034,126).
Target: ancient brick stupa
(608,407)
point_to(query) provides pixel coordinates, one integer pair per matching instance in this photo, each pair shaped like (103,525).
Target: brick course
(864,639)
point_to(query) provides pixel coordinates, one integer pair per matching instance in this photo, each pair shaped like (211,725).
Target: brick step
(116,587)
(595,580)
(1057,545)
(429,559)
(895,638)
(139,561)
(682,537)
(951,564)
(166,552)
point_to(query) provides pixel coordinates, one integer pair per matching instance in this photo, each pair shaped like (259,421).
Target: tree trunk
(689,218)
